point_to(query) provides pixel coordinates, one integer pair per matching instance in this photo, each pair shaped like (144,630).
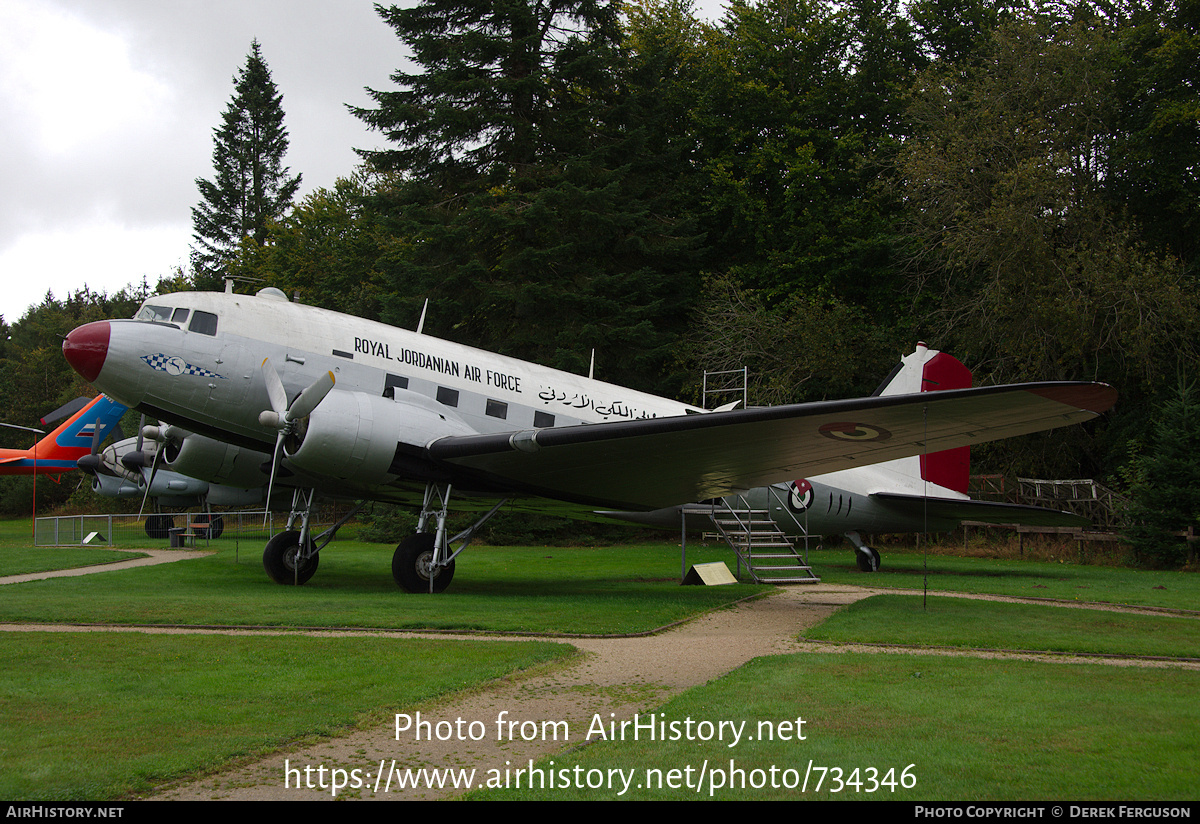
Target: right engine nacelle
(353,435)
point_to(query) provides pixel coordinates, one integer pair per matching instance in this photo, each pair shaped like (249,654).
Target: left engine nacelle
(353,435)
(216,462)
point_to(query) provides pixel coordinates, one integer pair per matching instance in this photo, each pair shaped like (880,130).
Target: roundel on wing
(800,495)
(850,431)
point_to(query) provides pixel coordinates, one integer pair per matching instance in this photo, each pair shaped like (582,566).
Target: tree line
(804,188)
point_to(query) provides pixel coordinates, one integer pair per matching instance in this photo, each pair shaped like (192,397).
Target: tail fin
(927,370)
(61,450)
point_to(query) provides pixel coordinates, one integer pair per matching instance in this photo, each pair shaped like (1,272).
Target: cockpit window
(179,316)
(203,322)
(162,314)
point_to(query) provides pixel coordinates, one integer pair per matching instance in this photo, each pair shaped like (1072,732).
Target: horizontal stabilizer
(988,512)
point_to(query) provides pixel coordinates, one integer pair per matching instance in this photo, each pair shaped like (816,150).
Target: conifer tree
(532,214)
(489,95)
(1165,493)
(251,186)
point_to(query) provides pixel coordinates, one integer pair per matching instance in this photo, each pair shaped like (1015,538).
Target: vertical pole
(682,544)
(33,519)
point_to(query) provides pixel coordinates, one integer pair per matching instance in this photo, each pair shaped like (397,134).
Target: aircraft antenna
(232,280)
(421,322)
(26,428)
(592,365)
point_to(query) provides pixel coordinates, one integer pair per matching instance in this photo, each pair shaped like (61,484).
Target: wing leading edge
(660,462)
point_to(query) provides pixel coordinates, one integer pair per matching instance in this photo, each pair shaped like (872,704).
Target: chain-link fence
(155,530)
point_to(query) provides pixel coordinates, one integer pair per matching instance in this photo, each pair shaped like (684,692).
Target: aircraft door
(237,370)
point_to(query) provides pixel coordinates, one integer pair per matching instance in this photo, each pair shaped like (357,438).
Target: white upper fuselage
(207,375)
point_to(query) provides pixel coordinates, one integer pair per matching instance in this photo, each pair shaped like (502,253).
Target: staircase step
(767,552)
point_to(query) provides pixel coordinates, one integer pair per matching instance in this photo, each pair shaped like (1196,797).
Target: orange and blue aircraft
(60,451)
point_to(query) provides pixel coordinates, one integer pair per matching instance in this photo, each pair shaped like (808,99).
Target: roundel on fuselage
(800,495)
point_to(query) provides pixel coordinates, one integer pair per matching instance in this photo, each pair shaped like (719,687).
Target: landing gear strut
(424,562)
(291,556)
(867,556)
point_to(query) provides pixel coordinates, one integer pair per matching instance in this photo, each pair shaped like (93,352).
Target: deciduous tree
(1026,269)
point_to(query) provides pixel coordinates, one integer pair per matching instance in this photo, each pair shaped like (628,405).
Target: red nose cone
(86,347)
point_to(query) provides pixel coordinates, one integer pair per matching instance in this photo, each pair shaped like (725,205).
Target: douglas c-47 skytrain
(349,408)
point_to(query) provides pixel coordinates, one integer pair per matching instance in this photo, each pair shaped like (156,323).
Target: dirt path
(153,557)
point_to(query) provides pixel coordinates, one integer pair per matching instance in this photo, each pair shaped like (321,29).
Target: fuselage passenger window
(496,409)
(204,323)
(391,383)
(542,420)
(447,397)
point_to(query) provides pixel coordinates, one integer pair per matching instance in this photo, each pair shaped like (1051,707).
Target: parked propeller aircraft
(90,422)
(125,469)
(355,409)
(128,468)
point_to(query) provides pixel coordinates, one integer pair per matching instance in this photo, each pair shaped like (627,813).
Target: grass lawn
(521,589)
(111,715)
(26,560)
(103,715)
(922,727)
(1064,580)
(951,728)
(961,622)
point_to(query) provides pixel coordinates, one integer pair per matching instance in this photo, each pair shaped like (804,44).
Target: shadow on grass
(611,591)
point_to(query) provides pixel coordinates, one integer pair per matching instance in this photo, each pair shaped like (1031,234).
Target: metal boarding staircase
(769,555)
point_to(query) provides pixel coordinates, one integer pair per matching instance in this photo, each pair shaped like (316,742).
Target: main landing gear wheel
(868,562)
(282,555)
(412,562)
(159,526)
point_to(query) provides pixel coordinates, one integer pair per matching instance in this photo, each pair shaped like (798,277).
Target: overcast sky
(107,111)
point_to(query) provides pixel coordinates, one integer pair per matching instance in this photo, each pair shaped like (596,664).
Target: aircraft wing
(660,462)
(988,512)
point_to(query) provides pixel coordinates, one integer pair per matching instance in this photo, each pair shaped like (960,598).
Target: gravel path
(153,557)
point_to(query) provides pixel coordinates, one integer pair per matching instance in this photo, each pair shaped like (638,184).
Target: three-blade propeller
(283,417)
